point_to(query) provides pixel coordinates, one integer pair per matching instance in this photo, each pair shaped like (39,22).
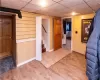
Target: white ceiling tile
(67,15)
(88,0)
(55,8)
(94,5)
(55,13)
(31,8)
(42,12)
(98,1)
(69,3)
(26,0)
(82,8)
(66,11)
(92,0)
(57,0)
(38,2)
(15,4)
(48,13)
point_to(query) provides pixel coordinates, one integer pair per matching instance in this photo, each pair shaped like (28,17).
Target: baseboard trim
(25,62)
(77,52)
(51,50)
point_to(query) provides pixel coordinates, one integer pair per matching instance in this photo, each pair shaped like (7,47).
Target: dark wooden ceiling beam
(11,10)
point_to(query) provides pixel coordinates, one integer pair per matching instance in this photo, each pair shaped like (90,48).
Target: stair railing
(44,28)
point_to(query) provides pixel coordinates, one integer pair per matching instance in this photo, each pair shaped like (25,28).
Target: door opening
(67,30)
(45,35)
(42,36)
(7,43)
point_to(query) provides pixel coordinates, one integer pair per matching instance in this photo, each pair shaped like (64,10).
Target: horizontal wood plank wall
(26,27)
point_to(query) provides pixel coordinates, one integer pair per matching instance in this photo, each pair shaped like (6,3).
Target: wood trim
(14,38)
(25,37)
(77,52)
(13,50)
(25,40)
(6,16)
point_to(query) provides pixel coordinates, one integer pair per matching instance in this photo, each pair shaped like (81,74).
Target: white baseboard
(51,50)
(25,62)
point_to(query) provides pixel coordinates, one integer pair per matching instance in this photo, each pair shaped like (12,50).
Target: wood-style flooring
(71,67)
(50,58)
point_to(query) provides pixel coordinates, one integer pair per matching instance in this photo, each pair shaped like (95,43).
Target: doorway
(7,43)
(50,58)
(45,35)
(67,30)
(42,36)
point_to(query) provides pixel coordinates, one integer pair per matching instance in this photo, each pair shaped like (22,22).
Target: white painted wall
(39,20)
(38,38)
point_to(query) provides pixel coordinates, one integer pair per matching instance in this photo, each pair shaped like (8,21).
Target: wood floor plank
(50,58)
(75,59)
(71,67)
(45,73)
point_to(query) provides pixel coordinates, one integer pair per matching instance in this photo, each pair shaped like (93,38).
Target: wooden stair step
(43,50)
(42,45)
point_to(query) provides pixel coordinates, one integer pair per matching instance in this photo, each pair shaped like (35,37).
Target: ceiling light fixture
(74,13)
(43,3)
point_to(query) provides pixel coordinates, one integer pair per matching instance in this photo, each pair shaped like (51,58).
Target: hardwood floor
(50,58)
(71,67)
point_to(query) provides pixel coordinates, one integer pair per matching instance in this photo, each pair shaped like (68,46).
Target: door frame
(71,31)
(48,33)
(14,38)
(39,36)
(13,17)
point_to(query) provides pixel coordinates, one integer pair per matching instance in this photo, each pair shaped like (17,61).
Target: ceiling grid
(59,8)
(26,4)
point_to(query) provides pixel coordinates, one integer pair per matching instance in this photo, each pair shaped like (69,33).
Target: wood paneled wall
(26,27)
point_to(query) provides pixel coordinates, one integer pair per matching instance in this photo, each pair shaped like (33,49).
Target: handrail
(44,28)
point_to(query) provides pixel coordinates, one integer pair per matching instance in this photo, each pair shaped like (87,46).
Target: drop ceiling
(59,8)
